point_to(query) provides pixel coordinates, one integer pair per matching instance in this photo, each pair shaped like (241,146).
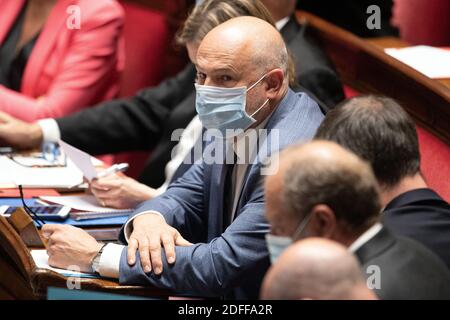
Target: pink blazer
(68,69)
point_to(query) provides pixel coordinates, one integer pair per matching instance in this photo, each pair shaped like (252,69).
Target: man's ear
(323,222)
(274,81)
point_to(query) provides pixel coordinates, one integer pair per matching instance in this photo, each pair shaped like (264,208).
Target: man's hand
(70,246)
(120,191)
(149,232)
(19,134)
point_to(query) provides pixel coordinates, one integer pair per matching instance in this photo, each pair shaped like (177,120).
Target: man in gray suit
(205,234)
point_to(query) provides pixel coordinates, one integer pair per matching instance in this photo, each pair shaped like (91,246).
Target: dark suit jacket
(143,122)
(422,215)
(408,270)
(233,261)
(147,120)
(314,72)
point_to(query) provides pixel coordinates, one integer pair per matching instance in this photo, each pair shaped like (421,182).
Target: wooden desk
(363,65)
(392,42)
(25,281)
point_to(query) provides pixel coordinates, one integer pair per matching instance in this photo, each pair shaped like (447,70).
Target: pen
(120,167)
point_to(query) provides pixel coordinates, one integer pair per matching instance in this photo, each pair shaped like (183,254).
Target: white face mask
(277,244)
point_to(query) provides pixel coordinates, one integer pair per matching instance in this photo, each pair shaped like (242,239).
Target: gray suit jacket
(225,259)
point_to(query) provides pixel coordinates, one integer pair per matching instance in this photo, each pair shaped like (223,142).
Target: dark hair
(378,130)
(349,189)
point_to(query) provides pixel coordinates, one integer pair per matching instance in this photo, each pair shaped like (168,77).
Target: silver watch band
(95,264)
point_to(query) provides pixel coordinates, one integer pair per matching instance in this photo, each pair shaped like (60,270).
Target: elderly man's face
(228,66)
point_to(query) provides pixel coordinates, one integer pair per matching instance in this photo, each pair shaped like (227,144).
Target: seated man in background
(323,190)
(242,89)
(378,130)
(314,72)
(316,269)
(147,120)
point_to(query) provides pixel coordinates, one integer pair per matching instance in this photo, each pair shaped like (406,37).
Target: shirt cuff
(109,265)
(50,130)
(128,229)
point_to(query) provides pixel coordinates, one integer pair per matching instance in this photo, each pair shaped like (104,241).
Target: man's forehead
(208,58)
(223,53)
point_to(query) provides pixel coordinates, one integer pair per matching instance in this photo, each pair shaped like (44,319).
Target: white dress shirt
(365,237)
(281,23)
(187,141)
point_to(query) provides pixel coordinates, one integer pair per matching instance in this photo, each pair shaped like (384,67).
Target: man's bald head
(254,40)
(322,175)
(316,269)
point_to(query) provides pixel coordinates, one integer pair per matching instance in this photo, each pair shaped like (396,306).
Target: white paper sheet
(81,159)
(12,173)
(432,62)
(40,258)
(81,203)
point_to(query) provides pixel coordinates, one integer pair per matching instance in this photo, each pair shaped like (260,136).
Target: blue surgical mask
(277,244)
(223,109)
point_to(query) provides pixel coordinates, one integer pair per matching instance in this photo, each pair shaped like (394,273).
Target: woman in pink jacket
(58,56)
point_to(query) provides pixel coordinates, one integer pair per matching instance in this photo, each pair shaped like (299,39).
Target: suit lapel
(9,11)
(44,46)
(290,30)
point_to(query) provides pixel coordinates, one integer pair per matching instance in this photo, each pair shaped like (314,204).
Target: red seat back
(423,21)
(147,40)
(435,162)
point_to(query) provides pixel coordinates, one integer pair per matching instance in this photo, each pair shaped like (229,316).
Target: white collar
(281,23)
(242,145)
(365,237)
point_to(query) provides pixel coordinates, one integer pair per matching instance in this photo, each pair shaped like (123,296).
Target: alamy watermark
(374,19)
(73,282)
(73,20)
(252,147)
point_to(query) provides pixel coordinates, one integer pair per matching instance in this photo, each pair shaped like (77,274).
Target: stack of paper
(432,62)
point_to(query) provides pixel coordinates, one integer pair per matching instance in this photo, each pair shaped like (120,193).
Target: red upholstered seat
(423,21)
(350,92)
(147,39)
(435,156)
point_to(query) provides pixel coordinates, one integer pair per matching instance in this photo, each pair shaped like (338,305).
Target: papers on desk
(87,206)
(432,62)
(40,258)
(28,171)
(12,174)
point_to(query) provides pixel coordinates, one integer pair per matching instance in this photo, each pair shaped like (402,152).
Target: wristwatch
(95,264)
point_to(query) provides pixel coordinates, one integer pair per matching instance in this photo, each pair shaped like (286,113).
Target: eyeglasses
(29,211)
